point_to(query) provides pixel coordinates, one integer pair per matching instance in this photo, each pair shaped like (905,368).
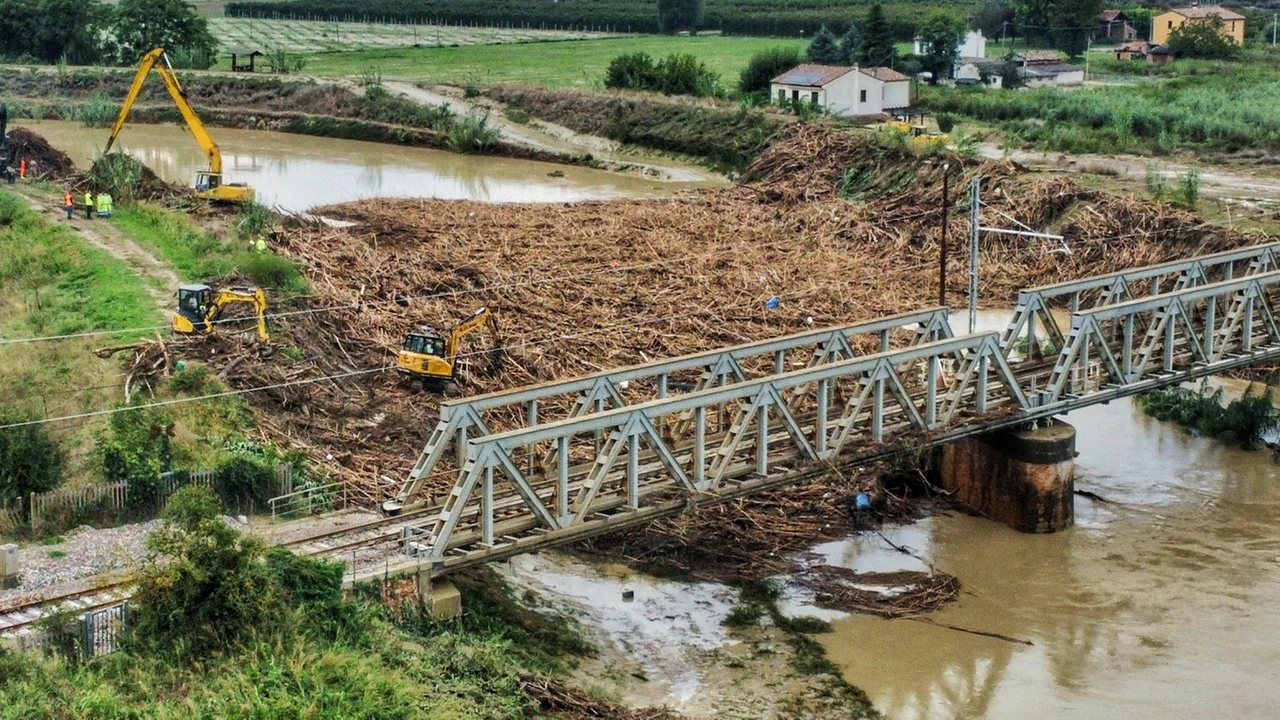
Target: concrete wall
(895,94)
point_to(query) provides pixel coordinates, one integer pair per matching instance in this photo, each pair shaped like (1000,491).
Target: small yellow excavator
(430,359)
(209,183)
(200,306)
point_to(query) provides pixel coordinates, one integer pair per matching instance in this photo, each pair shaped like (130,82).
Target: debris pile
(888,594)
(43,160)
(127,179)
(569,703)
(582,287)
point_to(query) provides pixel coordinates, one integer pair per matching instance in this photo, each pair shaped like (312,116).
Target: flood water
(298,172)
(1159,603)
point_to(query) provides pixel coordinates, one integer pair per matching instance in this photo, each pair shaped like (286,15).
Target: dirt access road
(1242,183)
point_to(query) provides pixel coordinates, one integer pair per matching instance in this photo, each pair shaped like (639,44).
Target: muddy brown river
(297,172)
(1159,603)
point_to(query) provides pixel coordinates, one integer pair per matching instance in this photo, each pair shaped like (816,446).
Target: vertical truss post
(531,420)
(820,424)
(982,382)
(762,439)
(699,447)
(1246,327)
(975,223)
(486,507)
(1168,337)
(931,393)
(563,510)
(1210,327)
(633,471)
(877,410)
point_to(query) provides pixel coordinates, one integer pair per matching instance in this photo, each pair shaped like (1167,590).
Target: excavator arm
(249,295)
(152,61)
(483,319)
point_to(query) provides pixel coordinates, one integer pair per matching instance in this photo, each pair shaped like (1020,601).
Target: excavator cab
(194,302)
(209,186)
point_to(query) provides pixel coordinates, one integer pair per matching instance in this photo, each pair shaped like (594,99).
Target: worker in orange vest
(22,168)
(71,204)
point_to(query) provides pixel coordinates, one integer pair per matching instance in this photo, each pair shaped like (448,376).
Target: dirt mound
(43,160)
(127,179)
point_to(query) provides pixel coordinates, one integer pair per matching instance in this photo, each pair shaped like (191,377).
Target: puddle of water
(297,172)
(661,626)
(1159,604)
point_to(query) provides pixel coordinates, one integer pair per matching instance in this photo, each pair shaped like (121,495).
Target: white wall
(968,71)
(896,94)
(843,94)
(974,45)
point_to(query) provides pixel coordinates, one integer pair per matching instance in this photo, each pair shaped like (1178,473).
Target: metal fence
(310,500)
(100,630)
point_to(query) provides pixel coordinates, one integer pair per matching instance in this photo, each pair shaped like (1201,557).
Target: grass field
(562,64)
(306,36)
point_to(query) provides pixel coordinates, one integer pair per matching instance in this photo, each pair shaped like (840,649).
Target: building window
(862,96)
(782,95)
(795,96)
(813,98)
(1170,24)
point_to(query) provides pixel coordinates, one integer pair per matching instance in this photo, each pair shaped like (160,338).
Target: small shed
(239,54)
(1132,51)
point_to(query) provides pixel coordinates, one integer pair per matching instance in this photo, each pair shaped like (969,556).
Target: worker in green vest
(88,205)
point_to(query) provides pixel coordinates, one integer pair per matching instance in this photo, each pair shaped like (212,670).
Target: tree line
(91,31)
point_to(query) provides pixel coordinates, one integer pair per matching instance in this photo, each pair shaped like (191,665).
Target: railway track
(21,618)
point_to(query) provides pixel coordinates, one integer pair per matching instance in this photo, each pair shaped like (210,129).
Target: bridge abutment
(1022,478)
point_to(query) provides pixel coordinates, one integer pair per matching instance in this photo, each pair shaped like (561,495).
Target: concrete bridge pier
(440,596)
(1022,478)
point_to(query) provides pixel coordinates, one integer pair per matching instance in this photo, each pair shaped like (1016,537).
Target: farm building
(1113,26)
(1039,68)
(975,71)
(1132,51)
(1165,23)
(847,91)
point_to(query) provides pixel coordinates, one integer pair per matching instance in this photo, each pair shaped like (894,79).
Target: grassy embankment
(56,283)
(579,63)
(1225,107)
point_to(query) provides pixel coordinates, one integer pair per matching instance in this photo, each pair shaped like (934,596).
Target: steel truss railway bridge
(618,449)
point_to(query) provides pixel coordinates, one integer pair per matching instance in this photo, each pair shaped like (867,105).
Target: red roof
(1203,11)
(812,75)
(884,74)
(1111,15)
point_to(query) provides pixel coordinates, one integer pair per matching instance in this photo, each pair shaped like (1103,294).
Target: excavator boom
(210,185)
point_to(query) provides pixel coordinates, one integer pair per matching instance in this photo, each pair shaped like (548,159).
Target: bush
(272,271)
(744,615)
(97,111)
(30,461)
(1243,422)
(472,134)
(634,71)
(766,65)
(946,122)
(135,448)
(1189,188)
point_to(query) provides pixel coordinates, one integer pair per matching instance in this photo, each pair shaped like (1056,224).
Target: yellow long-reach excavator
(199,307)
(432,359)
(209,183)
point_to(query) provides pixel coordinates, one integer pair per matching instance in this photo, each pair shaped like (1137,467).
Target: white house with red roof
(840,90)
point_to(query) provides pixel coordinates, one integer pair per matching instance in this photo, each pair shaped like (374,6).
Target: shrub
(135,448)
(1243,422)
(30,461)
(97,111)
(1189,188)
(472,134)
(1156,183)
(946,122)
(766,65)
(634,71)
(744,615)
(684,74)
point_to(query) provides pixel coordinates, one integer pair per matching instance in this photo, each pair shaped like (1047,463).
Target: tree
(1203,40)
(824,49)
(1067,24)
(877,40)
(991,18)
(677,15)
(171,24)
(850,45)
(30,461)
(49,30)
(634,71)
(766,65)
(940,36)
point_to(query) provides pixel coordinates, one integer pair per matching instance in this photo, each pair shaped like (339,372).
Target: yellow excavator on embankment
(209,183)
(431,359)
(199,307)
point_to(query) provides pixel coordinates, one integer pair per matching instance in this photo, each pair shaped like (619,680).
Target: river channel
(298,172)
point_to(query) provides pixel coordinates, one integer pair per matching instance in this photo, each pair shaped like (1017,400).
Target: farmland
(306,36)
(561,64)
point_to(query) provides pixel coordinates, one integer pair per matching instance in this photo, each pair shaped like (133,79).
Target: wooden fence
(106,497)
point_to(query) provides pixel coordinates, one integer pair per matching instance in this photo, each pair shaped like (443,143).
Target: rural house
(846,91)
(974,71)
(1113,26)
(973,46)
(1039,68)
(1165,23)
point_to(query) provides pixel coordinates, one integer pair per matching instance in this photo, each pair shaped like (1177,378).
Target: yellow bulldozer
(431,360)
(210,185)
(200,307)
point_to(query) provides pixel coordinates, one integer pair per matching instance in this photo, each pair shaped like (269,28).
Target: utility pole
(974,228)
(942,250)
(1273,28)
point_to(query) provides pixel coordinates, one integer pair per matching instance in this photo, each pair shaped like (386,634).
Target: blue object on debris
(772,303)
(862,501)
